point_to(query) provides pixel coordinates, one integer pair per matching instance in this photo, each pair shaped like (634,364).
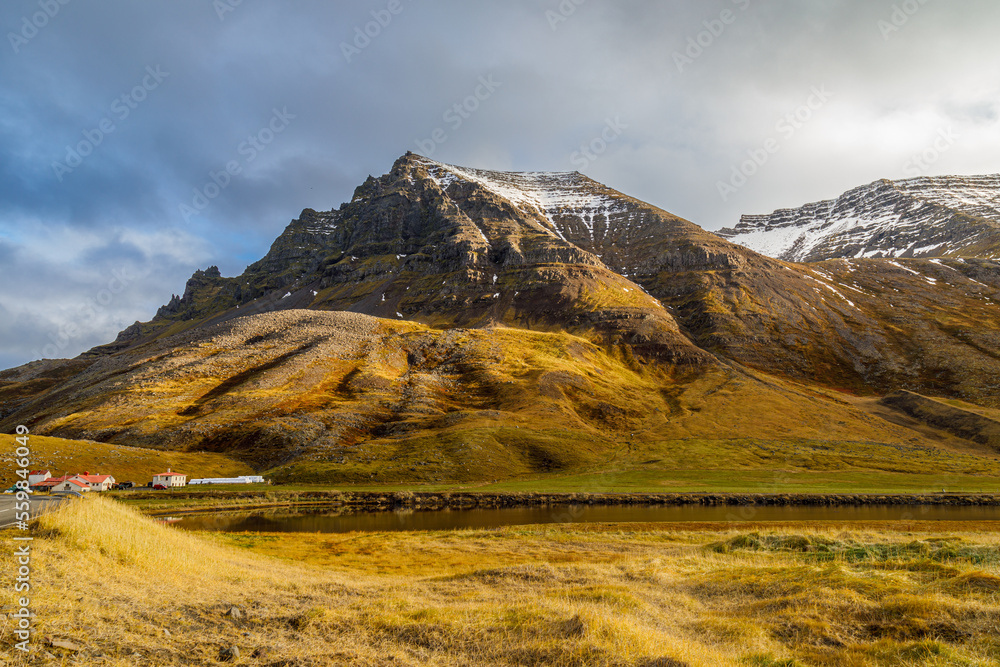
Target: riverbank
(181,501)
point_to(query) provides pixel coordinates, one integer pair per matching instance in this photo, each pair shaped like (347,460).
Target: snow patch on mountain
(323,224)
(552,195)
(919,217)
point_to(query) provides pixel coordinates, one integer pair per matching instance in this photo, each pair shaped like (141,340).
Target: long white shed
(245,479)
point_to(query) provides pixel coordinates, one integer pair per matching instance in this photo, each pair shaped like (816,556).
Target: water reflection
(342,520)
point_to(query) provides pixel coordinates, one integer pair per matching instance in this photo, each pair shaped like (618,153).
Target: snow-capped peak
(552,195)
(918,217)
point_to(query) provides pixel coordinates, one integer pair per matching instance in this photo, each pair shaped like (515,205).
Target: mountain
(949,216)
(448,247)
(465,324)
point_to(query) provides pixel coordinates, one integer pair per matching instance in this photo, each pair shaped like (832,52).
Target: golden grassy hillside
(125,463)
(328,397)
(130,591)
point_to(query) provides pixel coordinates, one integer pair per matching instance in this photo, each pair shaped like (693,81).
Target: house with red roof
(92,482)
(49,483)
(170,479)
(36,476)
(71,485)
(95,482)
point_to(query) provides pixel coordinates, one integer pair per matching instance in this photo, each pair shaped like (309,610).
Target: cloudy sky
(142,140)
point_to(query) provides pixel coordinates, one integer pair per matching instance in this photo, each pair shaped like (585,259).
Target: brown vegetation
(128,591)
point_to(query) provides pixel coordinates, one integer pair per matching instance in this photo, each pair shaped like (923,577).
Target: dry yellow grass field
(130,591)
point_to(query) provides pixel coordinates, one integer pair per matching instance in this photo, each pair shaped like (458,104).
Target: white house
(95,482)
(45,482)
(71,485)
(170,479)
(36,476)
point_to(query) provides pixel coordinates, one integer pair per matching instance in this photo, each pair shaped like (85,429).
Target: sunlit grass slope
(342,398)
(125,463)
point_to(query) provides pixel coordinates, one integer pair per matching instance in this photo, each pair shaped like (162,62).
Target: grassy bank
(135,592)
(644,461)
(677,481)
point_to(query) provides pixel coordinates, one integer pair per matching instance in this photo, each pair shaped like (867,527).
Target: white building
(95,482)
(72,485)
(244,479)
(36,476)
(170,479)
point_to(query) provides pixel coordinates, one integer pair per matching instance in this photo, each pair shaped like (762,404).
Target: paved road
(39,505)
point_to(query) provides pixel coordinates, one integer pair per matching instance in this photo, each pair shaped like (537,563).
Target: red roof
(93,479)
(80,484)
(48,482)
(39,472)
(56,480)
(170,474)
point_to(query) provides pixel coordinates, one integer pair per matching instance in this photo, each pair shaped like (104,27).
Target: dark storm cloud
(165,96)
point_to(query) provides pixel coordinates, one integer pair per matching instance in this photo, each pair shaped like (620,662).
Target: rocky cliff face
(453,246)
(450,246)
(481,232)
(951,216)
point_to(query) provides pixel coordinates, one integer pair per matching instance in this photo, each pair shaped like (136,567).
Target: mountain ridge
(443,304)
(943,216)
(452,246)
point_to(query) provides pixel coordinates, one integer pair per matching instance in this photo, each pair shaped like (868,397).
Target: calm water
(336,520)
